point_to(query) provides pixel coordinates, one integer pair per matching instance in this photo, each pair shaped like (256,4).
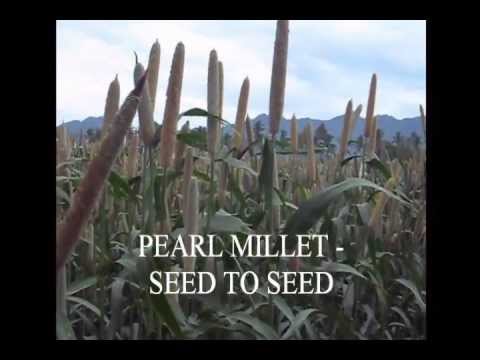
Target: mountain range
(389,124)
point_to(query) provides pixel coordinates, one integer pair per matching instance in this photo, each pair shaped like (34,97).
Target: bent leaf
(81,285)
(298,322)
(411,286)
(259,326)
(310,211)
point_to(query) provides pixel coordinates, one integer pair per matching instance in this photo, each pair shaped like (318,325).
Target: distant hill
(75,126)
(389,124)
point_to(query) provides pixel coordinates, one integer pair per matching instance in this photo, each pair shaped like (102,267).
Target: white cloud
(402,43)
(329,63)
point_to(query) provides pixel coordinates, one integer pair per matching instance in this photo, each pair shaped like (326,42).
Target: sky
(329,63)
